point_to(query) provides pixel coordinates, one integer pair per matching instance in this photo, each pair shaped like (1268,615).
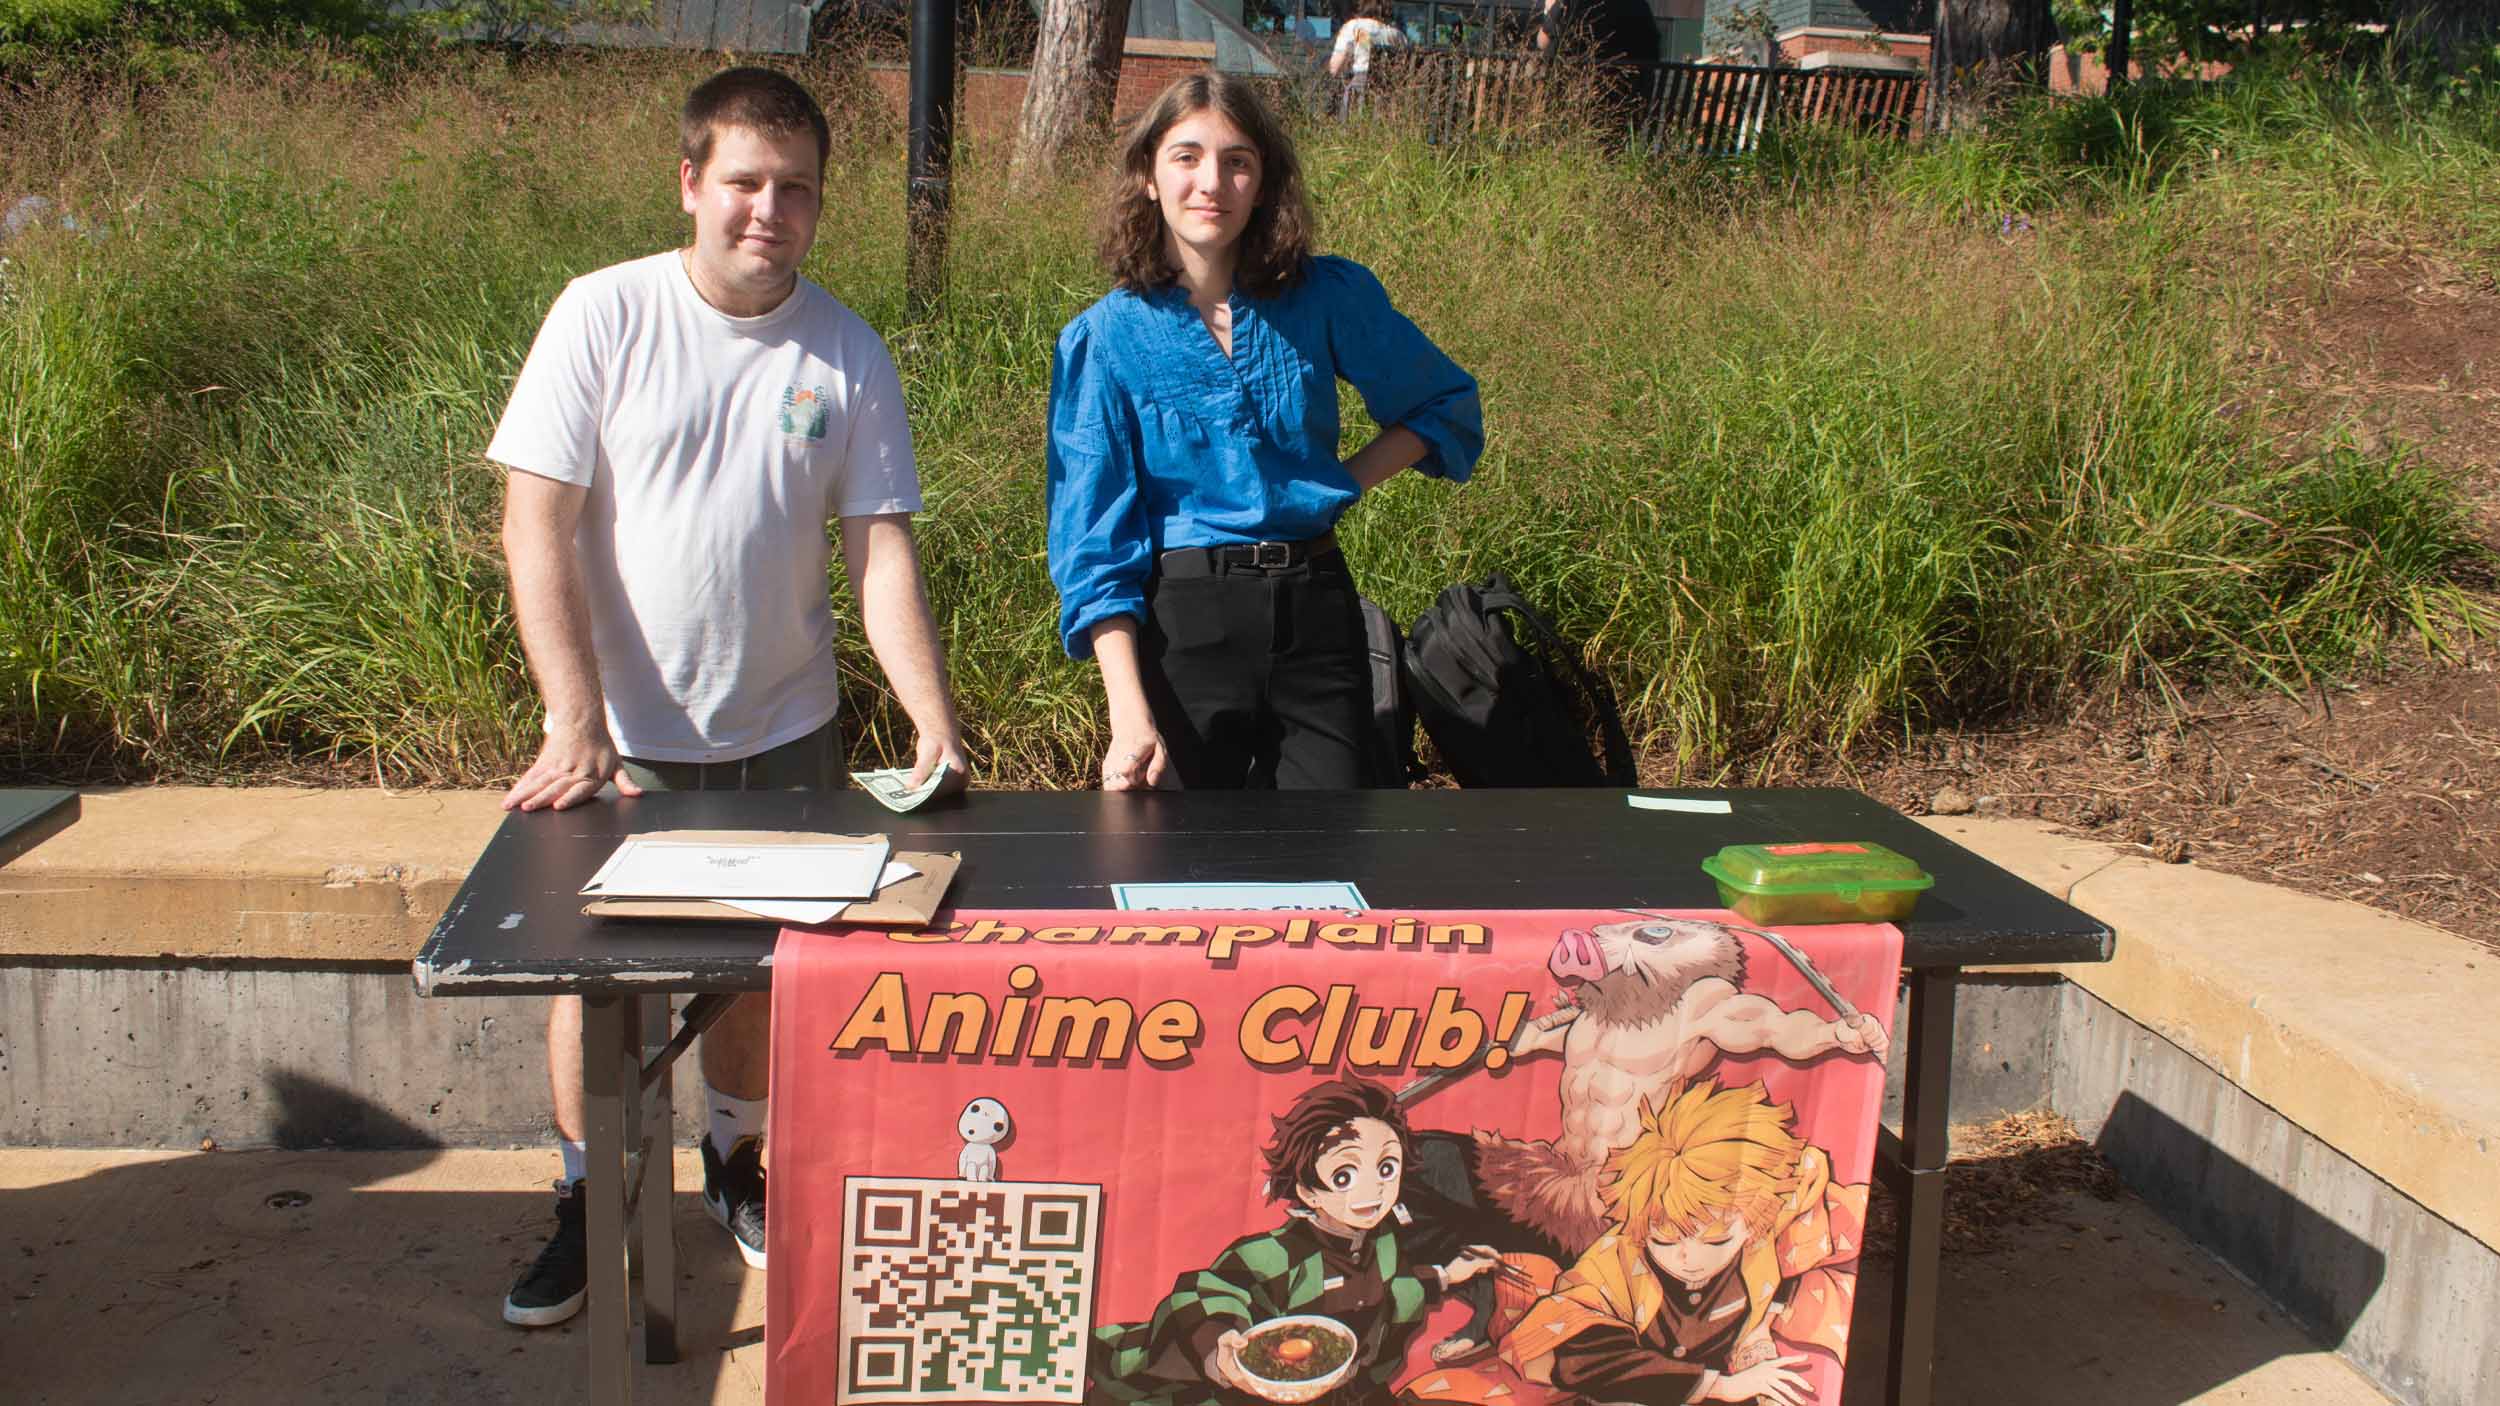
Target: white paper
(1670,803)
(810,914)
(1332,897)
(834,869)
(806,915)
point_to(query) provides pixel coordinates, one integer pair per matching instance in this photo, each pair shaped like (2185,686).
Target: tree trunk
(1076,72)
(2118,60)
(1983,48)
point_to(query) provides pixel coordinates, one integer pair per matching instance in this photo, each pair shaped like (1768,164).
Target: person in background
(1351,59)
(1194,484)
(1611,34)
(683,429)
(1615,44)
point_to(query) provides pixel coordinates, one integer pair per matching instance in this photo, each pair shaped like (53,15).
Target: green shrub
(55,21)
(28,28)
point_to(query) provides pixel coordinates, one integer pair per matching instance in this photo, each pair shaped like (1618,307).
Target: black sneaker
(552,1288)
(733,1191)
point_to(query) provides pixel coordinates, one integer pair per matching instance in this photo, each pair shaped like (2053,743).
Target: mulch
(2007,1177)
(2384,792)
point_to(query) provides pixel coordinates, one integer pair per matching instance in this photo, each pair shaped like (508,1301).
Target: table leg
(658,1199)
(1926,1101)
(611,1078)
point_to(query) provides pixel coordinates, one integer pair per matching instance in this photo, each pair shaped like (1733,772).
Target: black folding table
(516,927)
(30,817)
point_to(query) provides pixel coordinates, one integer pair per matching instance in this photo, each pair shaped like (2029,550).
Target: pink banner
(1239,1157)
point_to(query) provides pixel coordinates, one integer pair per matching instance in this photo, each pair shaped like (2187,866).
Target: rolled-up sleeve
(1405,381)
(1100,550)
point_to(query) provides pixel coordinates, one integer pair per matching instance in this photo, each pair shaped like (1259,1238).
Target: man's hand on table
(934,749)
(572,765)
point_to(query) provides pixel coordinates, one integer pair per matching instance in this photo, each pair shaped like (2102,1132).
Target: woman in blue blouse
(1194,479)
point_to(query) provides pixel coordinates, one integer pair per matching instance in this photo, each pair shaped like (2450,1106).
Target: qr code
(966,1290)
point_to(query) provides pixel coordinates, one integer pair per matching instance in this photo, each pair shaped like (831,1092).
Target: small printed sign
(1238,898)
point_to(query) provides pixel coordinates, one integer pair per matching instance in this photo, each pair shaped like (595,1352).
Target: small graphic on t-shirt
(803,412)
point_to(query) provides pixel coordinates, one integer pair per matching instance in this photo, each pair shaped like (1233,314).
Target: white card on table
(832,869)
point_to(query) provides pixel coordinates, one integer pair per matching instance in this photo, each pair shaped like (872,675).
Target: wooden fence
(1707,109)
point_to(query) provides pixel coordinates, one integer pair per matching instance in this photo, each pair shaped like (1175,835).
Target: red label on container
(1814,849)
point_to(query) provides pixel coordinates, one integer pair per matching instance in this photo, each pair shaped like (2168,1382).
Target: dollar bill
(893,789)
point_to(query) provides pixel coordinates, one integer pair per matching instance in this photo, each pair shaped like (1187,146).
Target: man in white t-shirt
(685,426)
(1351,58)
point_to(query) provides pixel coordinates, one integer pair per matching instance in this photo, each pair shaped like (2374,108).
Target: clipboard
(911,902)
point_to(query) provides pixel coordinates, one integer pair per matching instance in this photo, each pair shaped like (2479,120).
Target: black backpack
(1510,707)
(1392,761)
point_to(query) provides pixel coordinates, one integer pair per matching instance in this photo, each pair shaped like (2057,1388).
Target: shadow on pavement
(358,1276)
(2060,1286)
(299,1276)
(2319,1271)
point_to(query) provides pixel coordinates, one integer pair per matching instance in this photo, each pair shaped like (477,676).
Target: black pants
(1257,677)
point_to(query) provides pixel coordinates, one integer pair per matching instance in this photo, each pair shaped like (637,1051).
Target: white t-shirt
(1359,34)
(715,449)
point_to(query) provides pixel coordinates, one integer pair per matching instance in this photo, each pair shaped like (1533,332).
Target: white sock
(576,1158)
(734,1119)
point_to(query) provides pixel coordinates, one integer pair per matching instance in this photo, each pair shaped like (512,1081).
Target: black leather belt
(1245,556)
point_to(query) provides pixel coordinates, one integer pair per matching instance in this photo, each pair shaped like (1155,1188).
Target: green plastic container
(1845,882)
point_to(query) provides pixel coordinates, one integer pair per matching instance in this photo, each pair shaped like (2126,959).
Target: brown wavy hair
(1275,247)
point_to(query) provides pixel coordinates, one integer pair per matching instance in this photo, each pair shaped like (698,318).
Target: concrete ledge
(202,873)
(2364,1030)
(2399,1292)
(249,1055)
(133,1056)
(2372,1033)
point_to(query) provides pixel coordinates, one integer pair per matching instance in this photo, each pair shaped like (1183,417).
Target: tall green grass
(2306,163)
(1803,447)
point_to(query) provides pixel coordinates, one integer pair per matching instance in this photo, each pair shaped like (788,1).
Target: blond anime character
(1730,1250)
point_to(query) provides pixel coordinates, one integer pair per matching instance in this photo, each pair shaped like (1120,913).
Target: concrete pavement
(276,1277)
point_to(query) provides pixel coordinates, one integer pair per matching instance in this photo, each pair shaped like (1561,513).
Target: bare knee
(737,1050)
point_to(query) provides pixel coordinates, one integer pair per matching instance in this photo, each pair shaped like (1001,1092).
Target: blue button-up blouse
(1160,440)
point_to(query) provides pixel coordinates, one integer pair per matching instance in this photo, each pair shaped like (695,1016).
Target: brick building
(1823,33)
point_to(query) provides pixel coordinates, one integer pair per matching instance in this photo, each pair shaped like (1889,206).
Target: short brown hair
(757,99)
(1275,247)
(1319,1120)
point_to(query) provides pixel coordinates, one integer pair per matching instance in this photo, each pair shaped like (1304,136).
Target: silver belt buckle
(1271,556)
